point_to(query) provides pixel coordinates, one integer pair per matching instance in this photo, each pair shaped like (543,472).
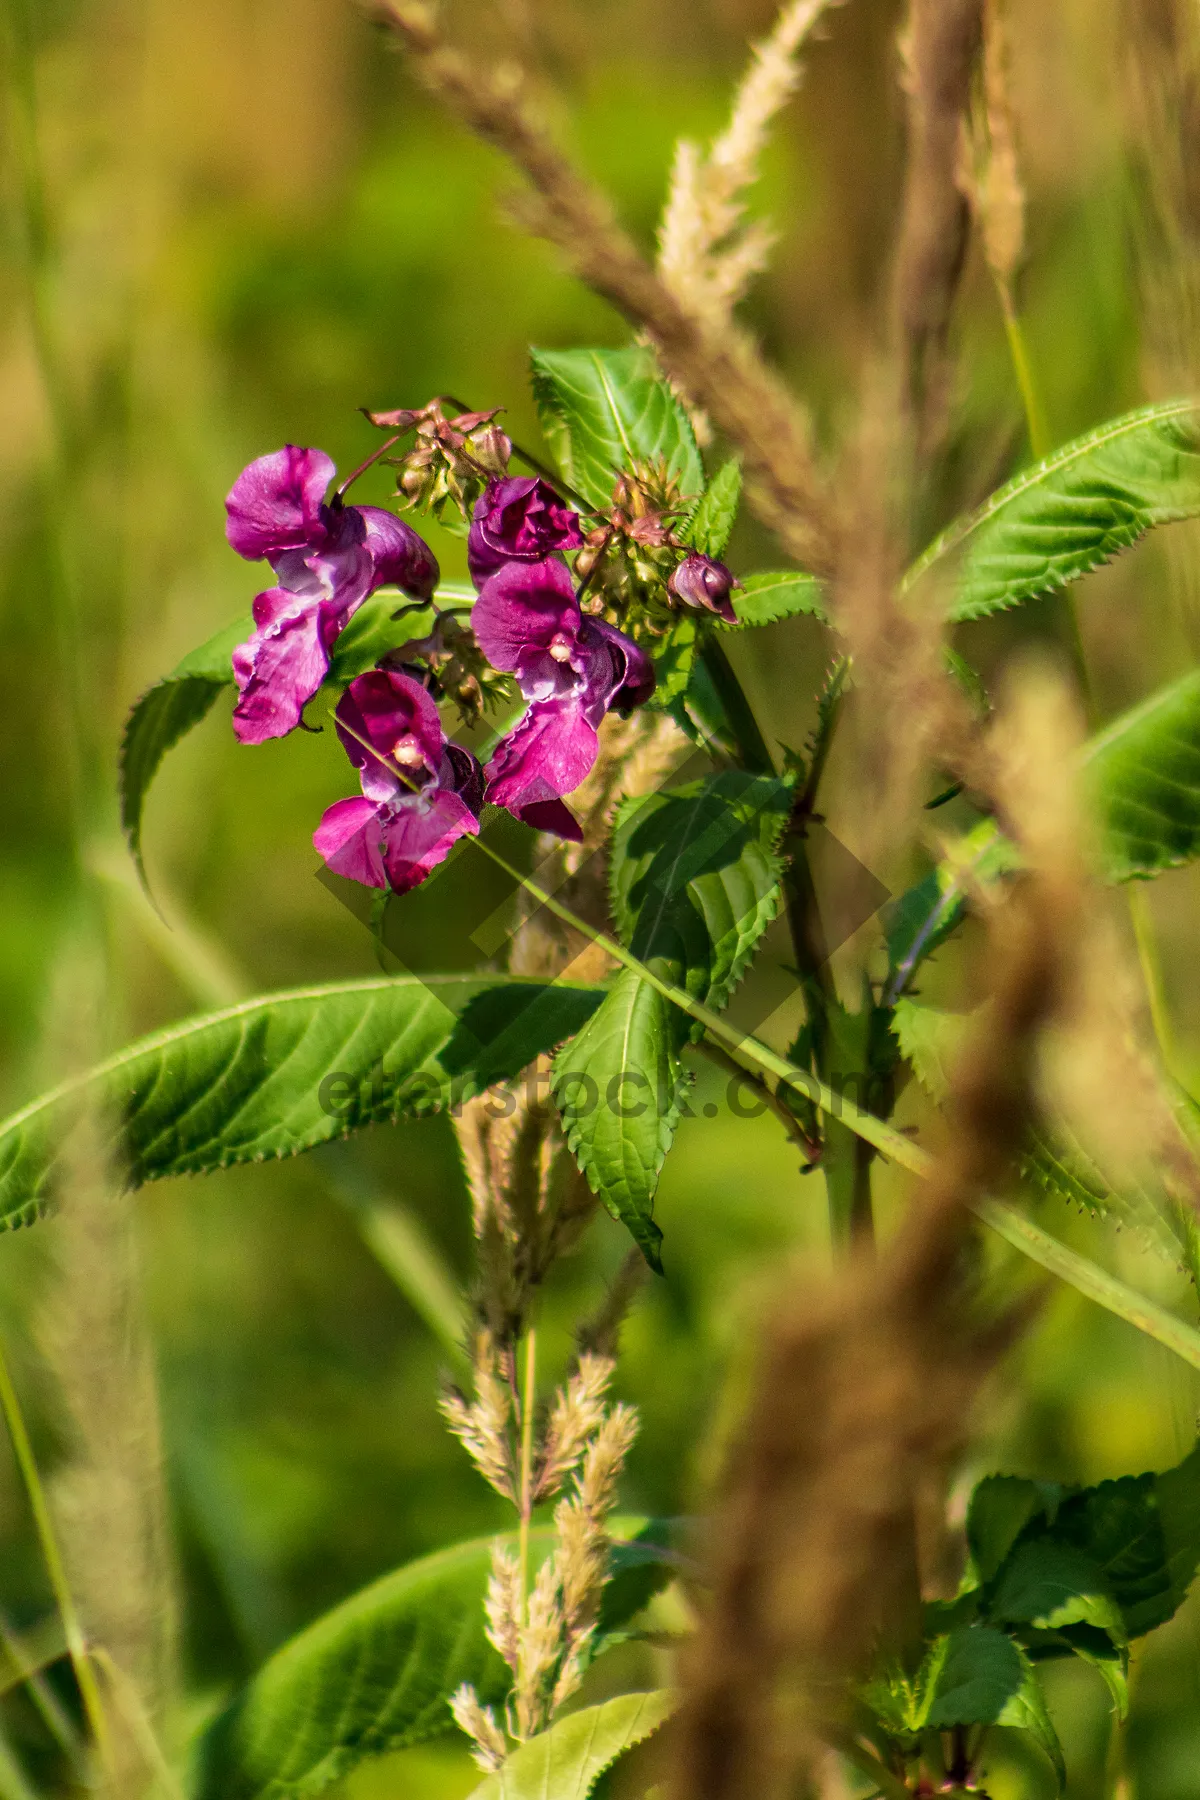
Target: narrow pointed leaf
(1143,775)
(619,1088)
(372,1676)
(709,527)
(1077,509)
(765,598)
(921,919)
(566,1762)
(284,1073)
(603,411)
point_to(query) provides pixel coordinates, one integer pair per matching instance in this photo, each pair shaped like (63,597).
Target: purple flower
(327,559)
(419,793)
(518,520)
(702,581)
(571,668)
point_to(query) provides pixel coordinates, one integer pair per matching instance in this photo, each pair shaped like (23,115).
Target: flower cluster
(420,794)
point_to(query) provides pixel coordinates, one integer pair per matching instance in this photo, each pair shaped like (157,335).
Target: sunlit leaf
(1143,774)
(602,411)
(286,1072)
(984,1678)
(709,527)
(762,599)
(565,1762)
(372,1676)
(1075,510)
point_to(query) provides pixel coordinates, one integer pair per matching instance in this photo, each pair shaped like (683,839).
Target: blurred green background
(228,226)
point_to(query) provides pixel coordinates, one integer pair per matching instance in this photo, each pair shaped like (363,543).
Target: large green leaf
(1000,1508)
(374,1675)
(565,1762)
(167,711)
(1049,1585)
(923,917)
(710,525)
(695,877)
(283,1073)
(984,1678)
(1143,775)
(1076,510)
(602,411)
(619,1088)
(765,598)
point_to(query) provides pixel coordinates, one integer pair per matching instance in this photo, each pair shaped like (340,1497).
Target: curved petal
(547,754)
(400,557)
(523,608)
(633,671)
(461,771)
(418,836)
(339,568)
(275,503)
(520,517)
(350,841)
(278,670)
(377,712)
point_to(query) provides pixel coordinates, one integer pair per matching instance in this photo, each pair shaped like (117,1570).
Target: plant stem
(1035,418)
(528,1400)
(1148,957)
(752,746)
(77,1649)
(1011,1224)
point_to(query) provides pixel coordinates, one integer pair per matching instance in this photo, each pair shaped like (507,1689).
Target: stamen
(560,650)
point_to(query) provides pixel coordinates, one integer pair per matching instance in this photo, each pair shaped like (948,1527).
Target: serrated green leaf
(929,1040)
(1057,1165)
(619,1089)
(1049,1584)
(1075,510)
(1143,777)
(695,877)
(372,1676)
(565,1762)
(166,712)
(987,1679)
(1143,1533)
(710,526)
(602,411)
(674,657)
(765,598)
(1000,1508)
(283,1073)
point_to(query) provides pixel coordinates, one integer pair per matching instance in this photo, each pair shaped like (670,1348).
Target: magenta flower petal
(281,667)
(632,679)
(546,755)
(519,519)
(417,837)
(350,839)
(275,504)
(526,612)
(336,565)
(401,558)
(390,729)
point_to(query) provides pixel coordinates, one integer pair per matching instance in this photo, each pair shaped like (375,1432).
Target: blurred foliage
(249,223)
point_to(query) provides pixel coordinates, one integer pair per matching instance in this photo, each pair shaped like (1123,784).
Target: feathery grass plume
(707,256)
(721,372)
(483,1425)
(489,1745)
(108,1496)
(940,46)
(576,1415)
(504,1605)
(599,1334)
(862,1390)
(989,173)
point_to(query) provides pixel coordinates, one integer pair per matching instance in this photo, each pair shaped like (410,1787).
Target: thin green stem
(1151,965)
(1012,1225)
(528,1407)
(77,1648)
(1035,418)
(752,746)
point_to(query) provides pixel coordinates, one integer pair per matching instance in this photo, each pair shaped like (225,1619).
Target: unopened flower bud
(703,582)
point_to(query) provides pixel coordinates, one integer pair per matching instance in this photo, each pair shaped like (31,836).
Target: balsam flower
(571,668)
(420,794)
(327,559)
(519,519)
(701,581)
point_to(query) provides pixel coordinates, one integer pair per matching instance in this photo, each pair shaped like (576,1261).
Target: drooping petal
(350,840)
(389,728)
(419,834)
(550,750)
(275,503)
(633,678)
(524,608)
(339,567)
(461,771)
(280,668)
(401,558)
(519,518)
